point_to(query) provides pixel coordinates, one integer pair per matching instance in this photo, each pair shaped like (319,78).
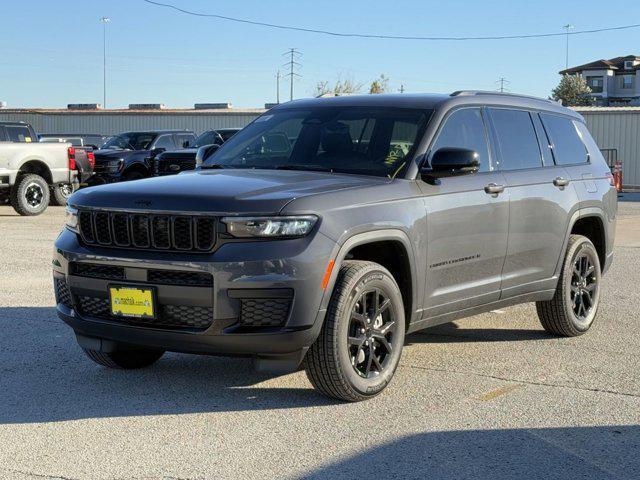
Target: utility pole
(292,65)
(278,87)
(567,27)
(401,88)
(502,82)
(104,21)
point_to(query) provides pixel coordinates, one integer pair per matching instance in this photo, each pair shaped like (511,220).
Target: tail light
(609,176)
(71,154)
(92,159)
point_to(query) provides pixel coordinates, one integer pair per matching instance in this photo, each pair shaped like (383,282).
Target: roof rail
(461,93)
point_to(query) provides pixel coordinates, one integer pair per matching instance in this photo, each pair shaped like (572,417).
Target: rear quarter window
(567,146)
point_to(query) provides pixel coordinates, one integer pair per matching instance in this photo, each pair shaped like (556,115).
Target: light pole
(567,27)
(104,21)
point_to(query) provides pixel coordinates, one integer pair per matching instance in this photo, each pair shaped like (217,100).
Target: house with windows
(614,82)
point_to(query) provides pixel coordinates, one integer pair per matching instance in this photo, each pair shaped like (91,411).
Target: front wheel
(573,308)
(359,347)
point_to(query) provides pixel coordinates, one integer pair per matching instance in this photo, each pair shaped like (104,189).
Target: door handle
(493,189)
(560,182)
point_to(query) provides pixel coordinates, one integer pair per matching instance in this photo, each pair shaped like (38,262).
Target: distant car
(94,140)
(172,162)
(129,155)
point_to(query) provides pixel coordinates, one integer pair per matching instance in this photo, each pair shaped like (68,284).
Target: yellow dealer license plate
(132,302)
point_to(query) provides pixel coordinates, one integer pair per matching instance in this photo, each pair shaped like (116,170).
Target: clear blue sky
(51,51)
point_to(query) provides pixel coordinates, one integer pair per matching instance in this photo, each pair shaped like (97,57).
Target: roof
(400,100)
(588,110)
(616,63)
(432,101)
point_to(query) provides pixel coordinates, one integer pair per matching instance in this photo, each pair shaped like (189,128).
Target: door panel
(539,212)
(467,240)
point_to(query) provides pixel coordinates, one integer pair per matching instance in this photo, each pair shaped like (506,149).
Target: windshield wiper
(311,168)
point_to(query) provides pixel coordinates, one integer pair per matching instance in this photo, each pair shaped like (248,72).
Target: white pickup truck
(32,172)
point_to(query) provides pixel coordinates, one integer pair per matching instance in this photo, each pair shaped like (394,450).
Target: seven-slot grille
(148,231)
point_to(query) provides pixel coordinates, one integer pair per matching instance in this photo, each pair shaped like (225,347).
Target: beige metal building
(109,122)
(617,129)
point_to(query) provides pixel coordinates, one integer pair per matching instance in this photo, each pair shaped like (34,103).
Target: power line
(388,37)
(293,65)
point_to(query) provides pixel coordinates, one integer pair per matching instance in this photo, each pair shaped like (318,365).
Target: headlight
(270,227)
(71,219)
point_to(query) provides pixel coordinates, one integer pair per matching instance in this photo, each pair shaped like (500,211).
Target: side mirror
(205,152)
(450,162)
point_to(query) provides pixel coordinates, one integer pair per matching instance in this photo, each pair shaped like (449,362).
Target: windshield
(360,140)
(130,141)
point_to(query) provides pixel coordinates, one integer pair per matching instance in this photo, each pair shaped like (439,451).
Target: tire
(60,193)
(574,306)
(30,195)
(340,364)
(125,359)
(134,175)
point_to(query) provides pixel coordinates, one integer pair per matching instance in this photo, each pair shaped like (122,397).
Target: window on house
(628,64)
(627,81)
(595,84)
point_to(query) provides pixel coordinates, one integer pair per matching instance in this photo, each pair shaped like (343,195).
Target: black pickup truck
(129,155)
(172,162)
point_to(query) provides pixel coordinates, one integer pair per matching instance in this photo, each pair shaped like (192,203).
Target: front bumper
(238,271)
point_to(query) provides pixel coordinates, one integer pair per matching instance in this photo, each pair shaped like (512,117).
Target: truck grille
(169,316)
(148,231)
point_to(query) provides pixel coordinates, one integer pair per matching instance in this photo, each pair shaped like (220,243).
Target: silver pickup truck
(31,172)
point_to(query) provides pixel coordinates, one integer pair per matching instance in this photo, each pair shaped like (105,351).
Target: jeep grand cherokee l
(328,229)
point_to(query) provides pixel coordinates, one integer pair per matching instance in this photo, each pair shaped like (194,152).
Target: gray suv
(328,229)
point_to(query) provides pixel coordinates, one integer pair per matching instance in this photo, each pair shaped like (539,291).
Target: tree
(573,91)
(379,85)
(341,87)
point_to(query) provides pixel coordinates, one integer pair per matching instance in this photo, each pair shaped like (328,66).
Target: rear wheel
(30,195)
(61,193)
(125,359)
(573,308)
(359,346)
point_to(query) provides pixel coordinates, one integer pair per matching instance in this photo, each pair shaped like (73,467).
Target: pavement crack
(40,475)
(524,382)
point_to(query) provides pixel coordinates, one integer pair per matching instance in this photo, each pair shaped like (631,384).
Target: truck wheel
(30,195)
(359,346)
(573,308)
(125,359)
(134,175)
(61,193)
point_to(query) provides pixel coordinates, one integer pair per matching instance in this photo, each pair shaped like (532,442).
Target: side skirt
(541,295)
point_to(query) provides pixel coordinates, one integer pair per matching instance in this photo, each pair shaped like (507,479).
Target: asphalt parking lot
(487,397)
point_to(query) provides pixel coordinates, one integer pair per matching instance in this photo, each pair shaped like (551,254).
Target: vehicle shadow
(547,453)
(452,333)
(45,377)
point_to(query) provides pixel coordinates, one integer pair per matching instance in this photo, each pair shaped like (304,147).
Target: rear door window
(517,140)
(19,134)
(185,138)
(465,129)
(568,148)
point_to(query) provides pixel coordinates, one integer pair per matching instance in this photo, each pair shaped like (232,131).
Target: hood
(219,191)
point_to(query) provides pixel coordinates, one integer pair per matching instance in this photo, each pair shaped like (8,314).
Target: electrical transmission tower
(292,65)
(502,83)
